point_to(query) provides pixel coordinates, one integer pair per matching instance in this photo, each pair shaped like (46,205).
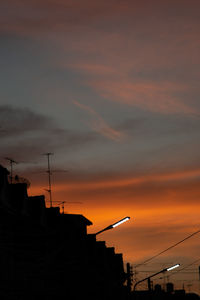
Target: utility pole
(49,177)
(129,276)
(199,277)
(12,161)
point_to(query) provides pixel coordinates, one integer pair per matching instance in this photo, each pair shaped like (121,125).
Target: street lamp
(114,225)
(149,277)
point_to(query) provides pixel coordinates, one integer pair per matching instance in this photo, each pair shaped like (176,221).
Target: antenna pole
(12,161)
(11,171)
(49,177)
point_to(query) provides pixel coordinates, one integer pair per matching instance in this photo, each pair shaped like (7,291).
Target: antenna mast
(63,204)
(12,161)
(49,177)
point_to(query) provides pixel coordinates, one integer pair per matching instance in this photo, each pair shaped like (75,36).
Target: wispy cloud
(156,97)
(141,67)
(99,125)
(153,190)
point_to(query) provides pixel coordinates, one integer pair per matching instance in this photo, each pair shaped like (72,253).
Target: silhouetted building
(169,287)
(159,294)
(44,253)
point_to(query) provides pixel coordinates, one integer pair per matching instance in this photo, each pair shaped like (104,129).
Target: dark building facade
(44,253)
(159,294)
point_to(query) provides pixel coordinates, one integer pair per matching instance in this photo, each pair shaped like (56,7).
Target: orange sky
(164,208)
(112,89)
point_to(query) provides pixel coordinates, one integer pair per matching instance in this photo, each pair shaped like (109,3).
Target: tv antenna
(49,190)
(12,161)
(50,172)
(63,204)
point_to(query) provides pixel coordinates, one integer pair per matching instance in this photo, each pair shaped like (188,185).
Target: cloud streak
(147,191)
(131,62)
(99,125)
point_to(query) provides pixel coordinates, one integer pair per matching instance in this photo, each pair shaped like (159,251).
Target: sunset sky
(112,89)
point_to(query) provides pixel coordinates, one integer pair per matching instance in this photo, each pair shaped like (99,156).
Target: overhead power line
(169,248)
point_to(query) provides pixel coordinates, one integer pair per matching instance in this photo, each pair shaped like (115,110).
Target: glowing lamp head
(120,222)
(173,267)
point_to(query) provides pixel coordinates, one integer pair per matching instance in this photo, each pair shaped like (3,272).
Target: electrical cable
(169,248)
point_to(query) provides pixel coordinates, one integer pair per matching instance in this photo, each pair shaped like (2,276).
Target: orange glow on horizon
(109,183)
(159,223)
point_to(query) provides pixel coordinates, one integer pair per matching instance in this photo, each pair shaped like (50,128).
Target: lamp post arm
(107,228)
(114,225)
(148,278)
